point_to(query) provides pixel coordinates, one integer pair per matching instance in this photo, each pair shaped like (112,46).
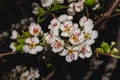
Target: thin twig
(50,74)
(6,54)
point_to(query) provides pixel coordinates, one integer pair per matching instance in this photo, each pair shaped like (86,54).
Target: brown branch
(111,9)
(5,54)
(50,74)
(109,12)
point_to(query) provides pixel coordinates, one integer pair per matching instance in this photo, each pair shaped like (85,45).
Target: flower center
(84,50)
(70,51)
(86,36)
(32,45)
(75,38)
(57,44)
(36,30)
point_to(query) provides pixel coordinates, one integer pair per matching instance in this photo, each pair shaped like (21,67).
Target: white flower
(96,6)
(57,45)
(66,28)
(32,46)
(65,17)
(90,36)
(34,72)
(36,7)
(78,6)
(85,51)
(49,38)
(86,23)
(34,29)
(14,34)
(71,11)
(71,53)
(47,3)
(12,46)
(54,26)
(25,76)
(77,37)
(60,1)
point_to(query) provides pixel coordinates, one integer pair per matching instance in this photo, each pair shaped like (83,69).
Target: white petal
(28,40)
(94,34)
(14,34)
(90,42)
(82,56)
(63,17)
(38,48)
(75,56)
(69,58)
(88,54)
(32,51)
(26,48)
(63,53)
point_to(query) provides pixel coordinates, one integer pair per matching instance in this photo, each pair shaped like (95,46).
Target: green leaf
(20,40)
(26,34)
(57,6)
(41,11)
(107,50)
(49,65)
(100,50)
(90,2)
(40,19)
(19,47)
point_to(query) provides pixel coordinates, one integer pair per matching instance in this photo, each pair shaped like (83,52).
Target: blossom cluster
(24,73)
(72,40)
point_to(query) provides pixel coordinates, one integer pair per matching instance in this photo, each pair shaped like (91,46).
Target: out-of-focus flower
(35,8)
(60,1)
(34,72)
(32,46)
(35,30)
(12,46)
(24,73)
(76,7)
(96,6)
(47,3)
(14,34)
(25,76)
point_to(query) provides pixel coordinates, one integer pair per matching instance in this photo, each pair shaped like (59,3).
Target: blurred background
(94,68)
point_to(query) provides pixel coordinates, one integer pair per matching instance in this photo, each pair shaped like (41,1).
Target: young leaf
(41,11)
(19,47)
(20,40)
(57,6)
(90,2)
(99,50)
(105,45)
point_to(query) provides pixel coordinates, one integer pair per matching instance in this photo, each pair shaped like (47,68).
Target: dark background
(12,11)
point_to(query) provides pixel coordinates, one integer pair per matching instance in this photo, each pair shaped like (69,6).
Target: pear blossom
(85,51)
(57,45)
(35,30)
(32,46)
(77,37)
(36,7)
(25,76)
(14,34)
(86,23)
(90,36)
(79,6)
(60,1)
(34,72)
(49,38)
(66,28)
(54,26)
(75,7)
(12,46)
(47,3)
(65,17)
(71,53)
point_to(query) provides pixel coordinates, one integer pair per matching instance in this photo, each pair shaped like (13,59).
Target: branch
(50,74)
(5,54)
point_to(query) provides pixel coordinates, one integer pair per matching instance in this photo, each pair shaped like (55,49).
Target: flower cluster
(24,73)
(28,42)
(71,39)
(65,37)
